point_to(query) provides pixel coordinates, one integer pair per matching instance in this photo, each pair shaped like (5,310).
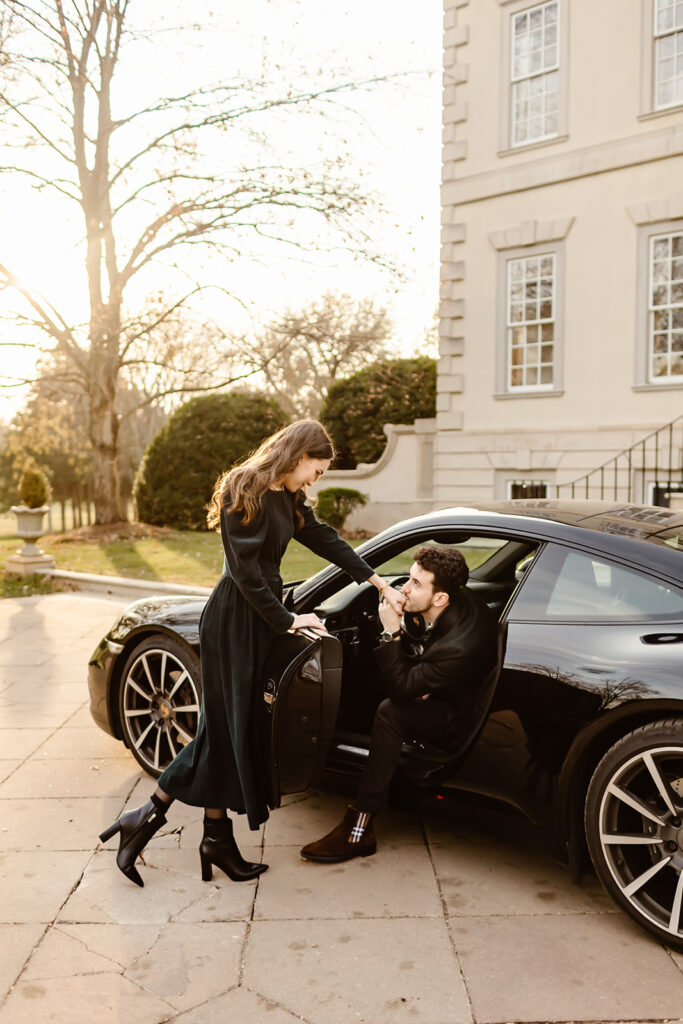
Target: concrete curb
(124,585)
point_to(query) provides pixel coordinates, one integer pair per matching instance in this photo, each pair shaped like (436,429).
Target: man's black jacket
(459,652)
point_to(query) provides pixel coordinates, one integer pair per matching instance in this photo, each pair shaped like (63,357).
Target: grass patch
(169,556)
(26,586)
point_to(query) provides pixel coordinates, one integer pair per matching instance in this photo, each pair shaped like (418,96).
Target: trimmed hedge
(335,504)
(203,438)
(356,409)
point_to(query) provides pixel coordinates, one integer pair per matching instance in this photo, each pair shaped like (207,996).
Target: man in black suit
(432,682)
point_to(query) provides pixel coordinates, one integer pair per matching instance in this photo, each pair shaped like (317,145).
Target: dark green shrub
(202,439)
(34,487)
(335,504)
(356,409)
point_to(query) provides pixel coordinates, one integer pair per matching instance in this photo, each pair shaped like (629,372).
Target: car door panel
(300,703)
(560,675)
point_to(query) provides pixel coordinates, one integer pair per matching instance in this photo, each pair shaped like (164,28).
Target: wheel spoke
(162,678)
(138,689)
(141,738)
(640,881)
(676,908)
(185,735)
(635,803)
(156,749)
(181,679)
(659,781)
(134,714)
(188,708)
(170,743)
(628,839)
(148,673)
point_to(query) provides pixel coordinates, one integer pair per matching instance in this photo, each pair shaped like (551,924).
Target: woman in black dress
(258,506)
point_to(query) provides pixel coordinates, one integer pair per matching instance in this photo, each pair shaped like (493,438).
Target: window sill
(650,114)
(541,144)
(550,393)
(669,386)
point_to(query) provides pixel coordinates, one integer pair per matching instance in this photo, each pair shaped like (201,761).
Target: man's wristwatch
(387,636)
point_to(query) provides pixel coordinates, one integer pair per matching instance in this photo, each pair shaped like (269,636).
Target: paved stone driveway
(446,924)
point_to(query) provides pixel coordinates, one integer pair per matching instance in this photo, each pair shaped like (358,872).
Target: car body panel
(563,687)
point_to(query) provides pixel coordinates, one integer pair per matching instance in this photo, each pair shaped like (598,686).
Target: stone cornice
(638,149)
(531,232)
(670,208)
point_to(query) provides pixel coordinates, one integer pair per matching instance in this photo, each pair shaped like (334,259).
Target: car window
(475,550)
(569,585)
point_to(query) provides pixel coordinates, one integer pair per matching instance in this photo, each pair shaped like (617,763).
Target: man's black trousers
(430,721)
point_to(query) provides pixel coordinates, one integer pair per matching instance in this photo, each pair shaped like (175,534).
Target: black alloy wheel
(159,701)
(634,827)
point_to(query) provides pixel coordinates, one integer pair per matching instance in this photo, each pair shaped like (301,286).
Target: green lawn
(174,556)
(179,556)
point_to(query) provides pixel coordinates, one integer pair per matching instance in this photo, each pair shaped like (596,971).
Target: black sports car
(581,727)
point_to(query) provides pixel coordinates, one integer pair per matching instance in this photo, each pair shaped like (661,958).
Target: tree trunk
(104,420)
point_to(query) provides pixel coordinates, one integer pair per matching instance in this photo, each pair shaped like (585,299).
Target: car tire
(634,827)
(159,701)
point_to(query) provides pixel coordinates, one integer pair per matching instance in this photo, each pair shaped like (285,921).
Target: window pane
(525,352)
(535,54)
(572,585)
(660,248)
(475,550)
(669,68)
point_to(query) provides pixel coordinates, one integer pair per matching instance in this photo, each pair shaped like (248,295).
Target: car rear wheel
(159,701)
(634,827)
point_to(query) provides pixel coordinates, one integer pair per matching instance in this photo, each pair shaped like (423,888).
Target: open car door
(300,703)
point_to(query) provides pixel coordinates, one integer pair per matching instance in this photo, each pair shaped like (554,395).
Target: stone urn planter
(34,492)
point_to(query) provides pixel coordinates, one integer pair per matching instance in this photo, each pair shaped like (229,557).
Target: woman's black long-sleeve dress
(223,765)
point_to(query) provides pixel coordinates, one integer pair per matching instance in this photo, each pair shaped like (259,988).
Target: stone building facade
(562,240)
(561,292)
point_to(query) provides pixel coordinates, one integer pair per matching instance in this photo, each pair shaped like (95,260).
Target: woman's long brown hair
(279,454)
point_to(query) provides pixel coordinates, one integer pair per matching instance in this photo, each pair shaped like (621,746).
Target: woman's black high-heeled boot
(136,828)
(218,847)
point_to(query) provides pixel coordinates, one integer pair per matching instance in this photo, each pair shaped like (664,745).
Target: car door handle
(662,638)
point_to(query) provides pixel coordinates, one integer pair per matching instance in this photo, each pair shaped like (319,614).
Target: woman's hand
(309,621)
(395,599)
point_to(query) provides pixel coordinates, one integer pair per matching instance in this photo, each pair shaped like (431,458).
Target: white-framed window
(534,73)
(665,299)
(531,322)
(527,489)
(668,56)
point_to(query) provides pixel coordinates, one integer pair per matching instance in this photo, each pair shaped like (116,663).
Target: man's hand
(394,598)
(390,619)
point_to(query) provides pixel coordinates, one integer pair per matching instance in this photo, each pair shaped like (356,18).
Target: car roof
(644,534)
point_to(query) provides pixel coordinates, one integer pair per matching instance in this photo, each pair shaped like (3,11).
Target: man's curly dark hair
(448,567)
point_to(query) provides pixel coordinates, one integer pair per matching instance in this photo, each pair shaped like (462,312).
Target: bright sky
(387,137)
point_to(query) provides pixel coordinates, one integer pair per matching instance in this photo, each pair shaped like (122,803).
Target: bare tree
(301,353)
(145,191)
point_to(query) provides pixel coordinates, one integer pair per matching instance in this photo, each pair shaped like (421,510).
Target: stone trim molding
(450,381)
(392,430)
(633,151)
(670,208)
(531,232)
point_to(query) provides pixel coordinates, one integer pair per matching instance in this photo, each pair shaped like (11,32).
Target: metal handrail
(624,460)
